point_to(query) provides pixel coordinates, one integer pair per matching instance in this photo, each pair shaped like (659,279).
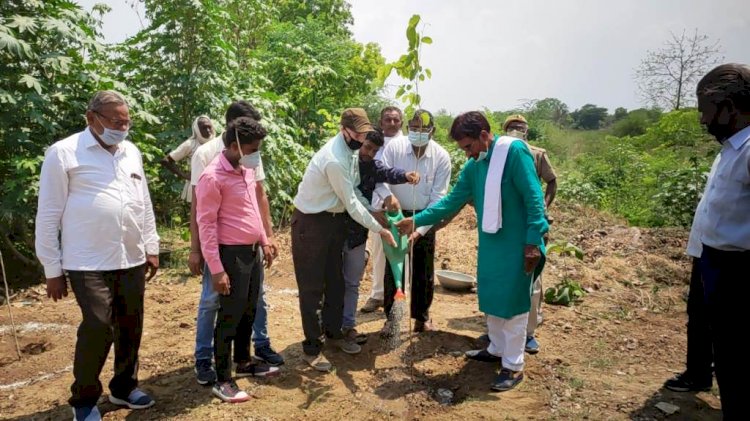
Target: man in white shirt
(203,131)
(391,121)
(417,153)
(95,224)
(724,221)
(208,305)
(328,189)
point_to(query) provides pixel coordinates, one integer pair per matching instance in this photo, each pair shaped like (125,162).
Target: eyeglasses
(116,122)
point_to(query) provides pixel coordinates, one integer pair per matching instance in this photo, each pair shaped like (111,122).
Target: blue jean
(353,268)
(207,309)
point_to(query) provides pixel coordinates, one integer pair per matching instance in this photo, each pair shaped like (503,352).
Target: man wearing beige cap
(327,192)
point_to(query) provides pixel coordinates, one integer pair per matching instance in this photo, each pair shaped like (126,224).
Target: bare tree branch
(667,77)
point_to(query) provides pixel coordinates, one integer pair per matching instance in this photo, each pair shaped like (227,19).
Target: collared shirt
(227,210)
(541,163)
(694,246)
(328,184)
(206,153)
(95,210)
(434,168)
(725,220)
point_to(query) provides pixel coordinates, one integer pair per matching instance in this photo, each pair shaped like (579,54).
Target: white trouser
(377,257)
(535,315)
(508,339)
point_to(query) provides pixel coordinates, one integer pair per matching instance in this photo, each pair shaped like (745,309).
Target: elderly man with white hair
(95,228)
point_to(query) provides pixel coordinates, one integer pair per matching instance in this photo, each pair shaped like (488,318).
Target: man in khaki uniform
(517,126)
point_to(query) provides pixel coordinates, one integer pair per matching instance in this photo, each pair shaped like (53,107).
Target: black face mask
(353,143)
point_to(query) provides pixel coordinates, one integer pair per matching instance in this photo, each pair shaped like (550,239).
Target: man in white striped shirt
(95,224)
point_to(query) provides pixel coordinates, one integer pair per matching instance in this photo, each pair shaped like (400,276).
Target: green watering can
(396,255)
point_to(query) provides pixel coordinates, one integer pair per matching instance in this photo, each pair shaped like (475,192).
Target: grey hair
(103,98)
(727,81)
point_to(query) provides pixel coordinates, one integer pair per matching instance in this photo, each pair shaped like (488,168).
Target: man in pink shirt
(231,232)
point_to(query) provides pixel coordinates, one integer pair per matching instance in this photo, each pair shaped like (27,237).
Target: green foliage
(329,73)
(409,68)
(296,62)
(635,122)
(589,117)
(568,291)
(653,179)
(49,68)
(550,110)
(566,249)
(565,293)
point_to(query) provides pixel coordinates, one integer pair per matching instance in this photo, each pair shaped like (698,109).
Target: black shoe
(204,372)
(506,380)
(482,355)
(253,369)
(353,335)
(683,383)
(269,356)
(484,338)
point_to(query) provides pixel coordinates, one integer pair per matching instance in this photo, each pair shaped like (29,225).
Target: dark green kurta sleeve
(526,182)
(453,202)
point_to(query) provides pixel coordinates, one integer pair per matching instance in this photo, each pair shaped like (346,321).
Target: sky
(499,53)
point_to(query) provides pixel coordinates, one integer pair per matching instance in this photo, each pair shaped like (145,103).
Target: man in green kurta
(511,250)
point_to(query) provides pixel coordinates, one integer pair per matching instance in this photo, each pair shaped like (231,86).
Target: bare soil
(604,358)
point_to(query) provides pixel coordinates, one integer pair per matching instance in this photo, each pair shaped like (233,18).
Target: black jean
(234,321)
(111,305)
(317,244)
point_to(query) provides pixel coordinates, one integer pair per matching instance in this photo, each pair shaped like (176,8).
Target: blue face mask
(419,139)
(482,156)
(111,137)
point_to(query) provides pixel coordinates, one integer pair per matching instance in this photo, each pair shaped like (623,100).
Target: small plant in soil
(568,291)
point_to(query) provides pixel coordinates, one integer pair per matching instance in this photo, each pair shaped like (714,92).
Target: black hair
(469,124)
(247,129)
(729,81)
(376,136)
(241,108)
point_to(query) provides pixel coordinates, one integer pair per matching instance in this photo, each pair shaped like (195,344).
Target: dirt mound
(605,358)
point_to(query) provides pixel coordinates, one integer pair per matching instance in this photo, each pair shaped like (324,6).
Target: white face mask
(111,137)
(482,155)
(517,133)
(419,139)
(248,161)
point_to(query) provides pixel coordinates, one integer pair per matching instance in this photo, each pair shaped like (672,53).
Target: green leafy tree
(552,110)
(589,117)
(634,123)
(329,72)
(49,68)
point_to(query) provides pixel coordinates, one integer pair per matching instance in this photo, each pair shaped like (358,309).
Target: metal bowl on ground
(455,281)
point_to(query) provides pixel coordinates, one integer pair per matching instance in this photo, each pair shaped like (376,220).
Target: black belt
(252,247)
